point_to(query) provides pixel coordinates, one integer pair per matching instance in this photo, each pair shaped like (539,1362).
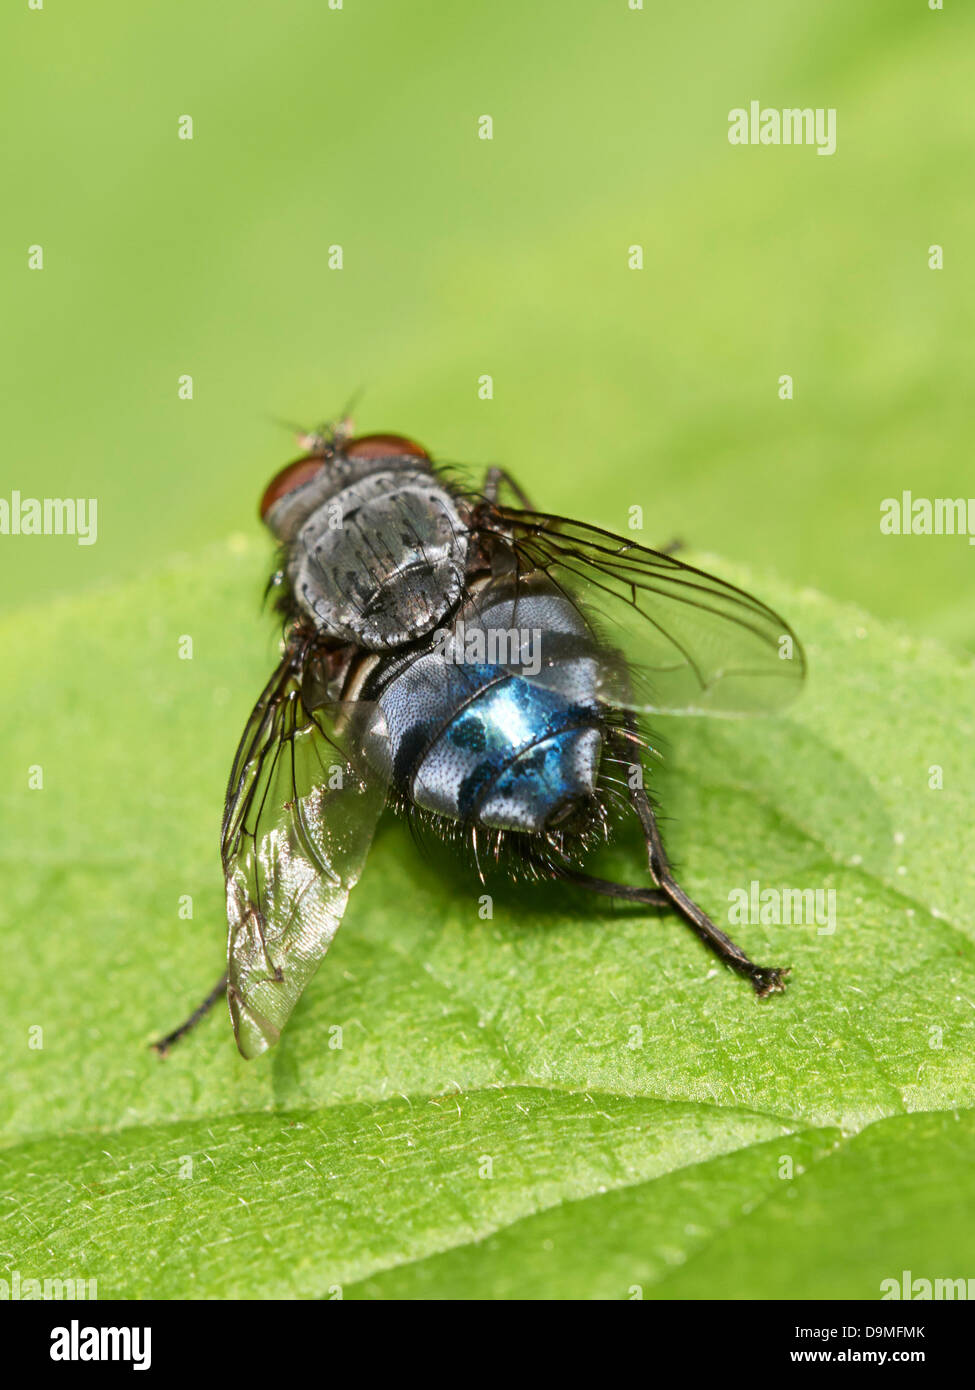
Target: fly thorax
(381,561)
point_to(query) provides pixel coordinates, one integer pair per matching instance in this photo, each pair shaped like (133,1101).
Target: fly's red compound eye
(379,446)
(291,477)
(367,446)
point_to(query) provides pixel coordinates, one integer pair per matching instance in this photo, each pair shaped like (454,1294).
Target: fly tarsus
(764,979)
(767,979)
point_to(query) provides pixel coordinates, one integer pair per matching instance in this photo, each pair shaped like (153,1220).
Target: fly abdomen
(479,743)
(518,757)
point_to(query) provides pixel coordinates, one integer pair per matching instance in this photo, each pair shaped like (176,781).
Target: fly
(480,666)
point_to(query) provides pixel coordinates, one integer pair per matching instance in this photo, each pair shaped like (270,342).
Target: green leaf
(567,1100)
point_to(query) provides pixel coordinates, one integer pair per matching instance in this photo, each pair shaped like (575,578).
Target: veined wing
(300,814)
(674,639)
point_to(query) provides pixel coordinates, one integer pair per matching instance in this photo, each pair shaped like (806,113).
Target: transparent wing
(668,638)
(299,818)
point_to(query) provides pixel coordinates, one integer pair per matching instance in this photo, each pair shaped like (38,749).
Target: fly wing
(668,638)
(300,814)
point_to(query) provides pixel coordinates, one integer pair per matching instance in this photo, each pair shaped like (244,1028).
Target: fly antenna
(344,427)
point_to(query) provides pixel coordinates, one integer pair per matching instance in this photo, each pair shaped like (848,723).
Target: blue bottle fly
(483,668)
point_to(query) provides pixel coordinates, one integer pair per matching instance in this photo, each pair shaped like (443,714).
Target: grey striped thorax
(377,550)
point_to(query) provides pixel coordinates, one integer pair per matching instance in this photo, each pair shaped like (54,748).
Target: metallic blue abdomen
(515,757)
(476,743)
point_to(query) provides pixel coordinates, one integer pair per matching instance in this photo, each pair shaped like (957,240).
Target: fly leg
(765,979)
(494,478)
(649,897)
(163,1045)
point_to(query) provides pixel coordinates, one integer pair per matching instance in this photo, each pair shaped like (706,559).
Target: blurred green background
(358,127)
(612,388)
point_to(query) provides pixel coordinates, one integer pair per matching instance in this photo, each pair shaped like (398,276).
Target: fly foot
(768,979)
